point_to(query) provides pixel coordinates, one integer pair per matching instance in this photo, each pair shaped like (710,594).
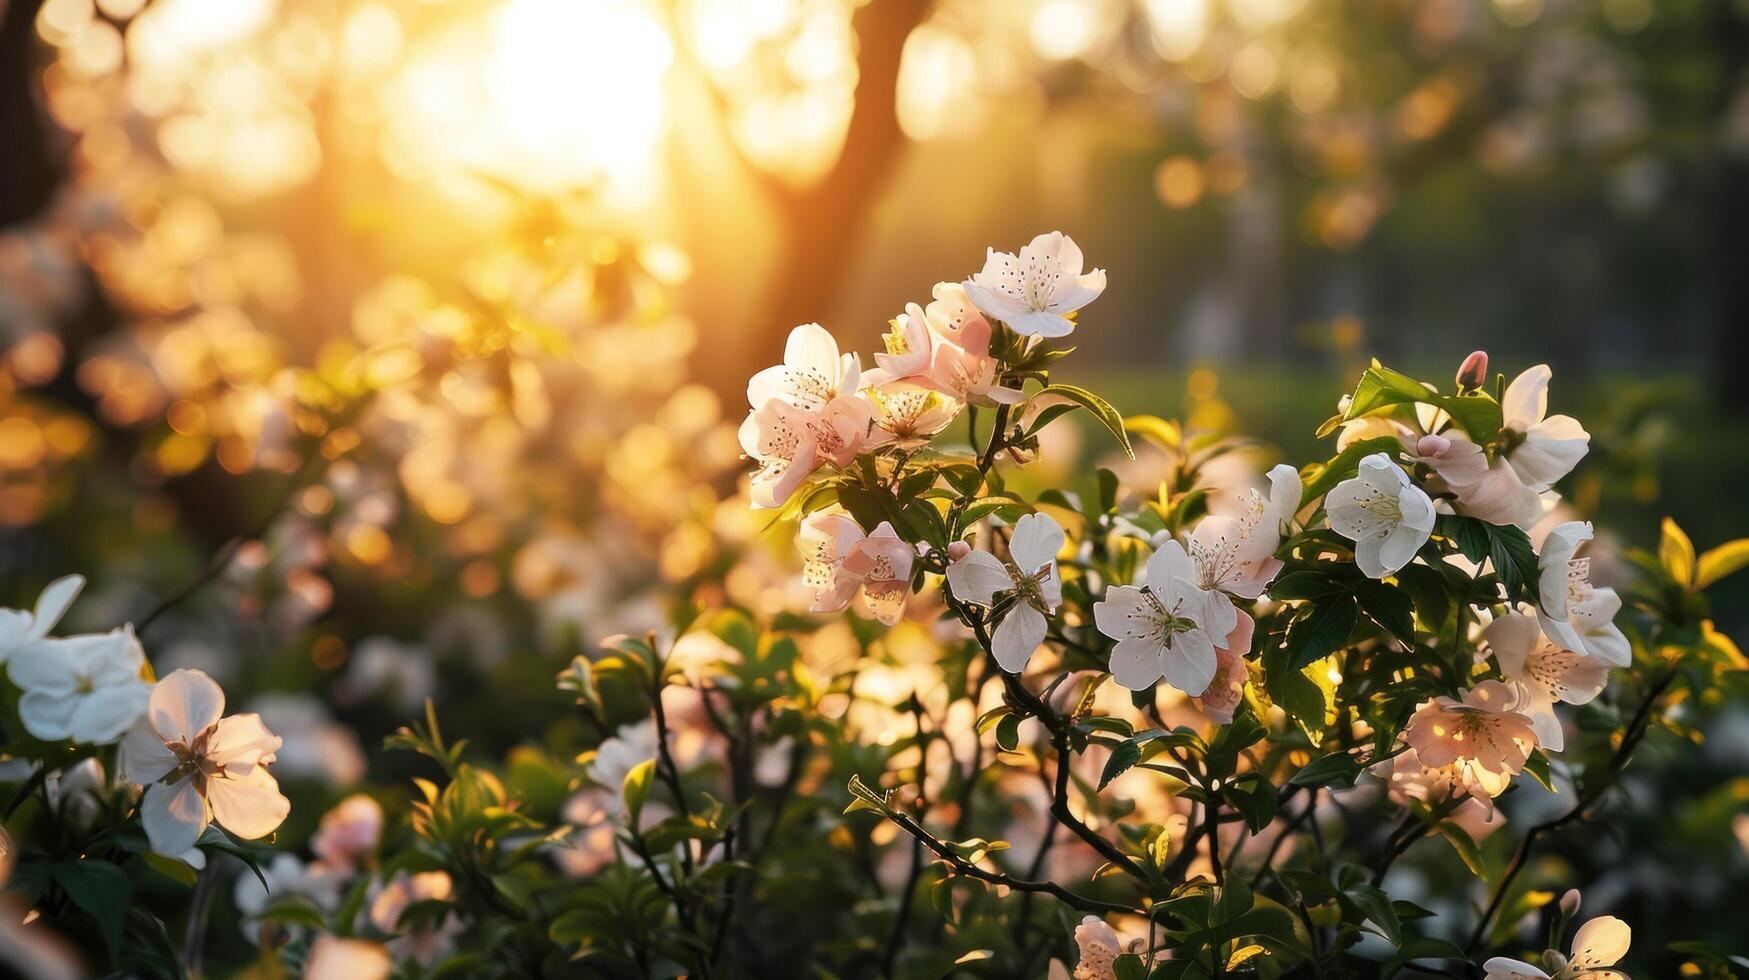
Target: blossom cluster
(195,765)
(1430,567)
(1183,620)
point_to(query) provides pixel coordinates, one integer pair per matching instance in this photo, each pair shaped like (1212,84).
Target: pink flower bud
(1432,446)
(1473,373)
(958,550)
(1570,903)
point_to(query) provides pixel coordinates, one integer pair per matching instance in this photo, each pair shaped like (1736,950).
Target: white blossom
(200,768)
(1549,673)
(1167,629)
(85,688)
(1387,517)
(1035,291)
(1597,947)
(1031,574)
(1574,613)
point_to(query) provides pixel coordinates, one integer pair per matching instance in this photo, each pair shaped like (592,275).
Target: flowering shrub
(1181,719)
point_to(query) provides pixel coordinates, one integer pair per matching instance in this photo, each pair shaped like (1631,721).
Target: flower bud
(1432,446)
(1473,373)
(957,550)
(1570,903)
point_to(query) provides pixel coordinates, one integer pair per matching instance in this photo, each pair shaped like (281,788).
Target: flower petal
(1036,541)
(978,577)
(105,714)
(1169,563)
(1601,942)
(48,665)
(241,742)
(53,603)
(1527,398)
(1135,663)
(174,816)
(183,704)
(143,757)
(249,806)
(1502,968)
(1017,636)
(48,715)
(1189,664)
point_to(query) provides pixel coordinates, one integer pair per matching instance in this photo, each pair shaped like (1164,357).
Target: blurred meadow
(364,352)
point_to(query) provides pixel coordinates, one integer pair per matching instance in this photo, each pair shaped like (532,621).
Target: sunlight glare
(546,94)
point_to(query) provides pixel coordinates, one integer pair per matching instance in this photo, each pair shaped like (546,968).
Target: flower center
(1029,587)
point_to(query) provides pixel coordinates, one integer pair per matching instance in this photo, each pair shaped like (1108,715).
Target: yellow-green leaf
(1676,553)
(1719,562)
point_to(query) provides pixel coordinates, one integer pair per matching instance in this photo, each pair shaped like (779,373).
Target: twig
(228,551)
(200,904)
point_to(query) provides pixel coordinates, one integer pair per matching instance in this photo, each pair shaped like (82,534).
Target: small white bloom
(1573,612)
(1035,291)
(19,629)
(1548,446)
(85,688)
(1599,945)
(76,793)
(812,374)
(1169,629)
(199,767)
(1534,452)
(910,347)
(1099,946)
(1387,517)
(1407,779)
(1236,554)
(1031,574)
(1546,671)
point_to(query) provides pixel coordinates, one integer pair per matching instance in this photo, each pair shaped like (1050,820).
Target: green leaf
(1465,845)
(1321,631)
(1378,910)
(1389,607)
(1129,752)
(1101,409)
(100,890)
(1254,797)
(1381,388)
(169,867)
(1335,769)
(1422,948)
(863,798)
(1676,553)
(1514,561)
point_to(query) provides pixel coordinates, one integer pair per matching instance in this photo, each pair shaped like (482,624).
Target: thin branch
(1635,731)
(970,870)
